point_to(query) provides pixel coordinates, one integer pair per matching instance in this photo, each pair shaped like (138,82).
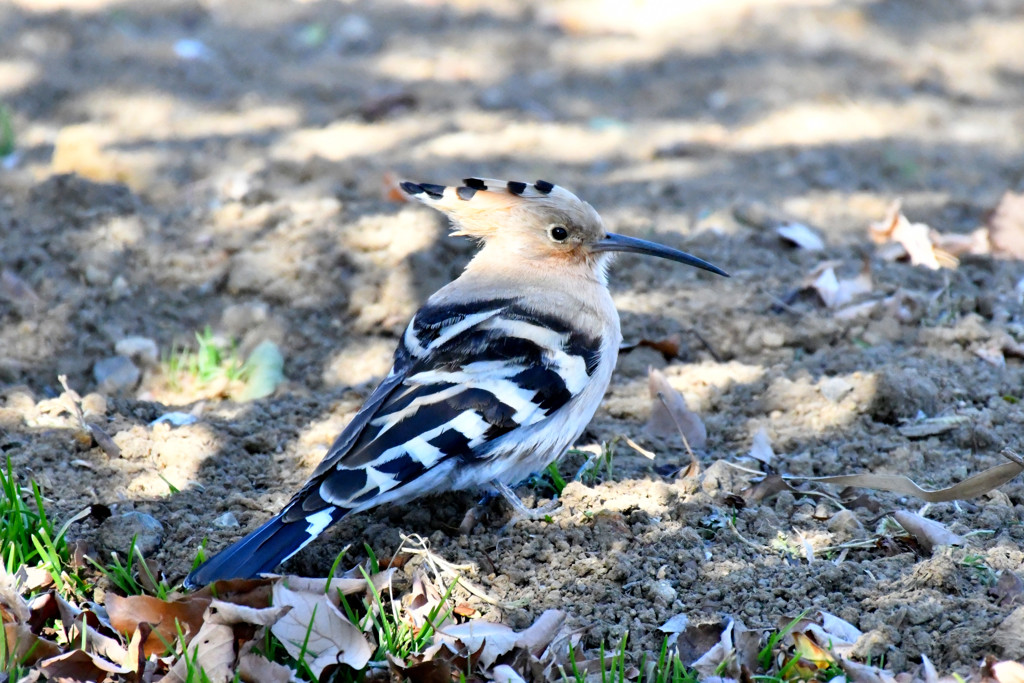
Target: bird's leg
(519,510)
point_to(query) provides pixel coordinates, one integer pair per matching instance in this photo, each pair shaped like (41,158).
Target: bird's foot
(519,510)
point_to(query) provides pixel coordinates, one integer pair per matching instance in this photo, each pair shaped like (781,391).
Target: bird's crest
(472,206)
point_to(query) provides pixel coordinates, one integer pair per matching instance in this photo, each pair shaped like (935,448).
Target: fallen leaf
(955,244)
(127,613)
(973,486)
(24,646)
(220,612)
(437,670)
(78,665)
(839,628)
(810,651)
(503,673)
(929,533)
(668,347)
(914,238)
(770,486)
(1006,226)
(464,609)
(317,630)
(865,673)
(836,293)
(255,668)
(761,447)
(800,235)
(932,426)
(696,640)
(540,634)
(249,592)
(487,637)
(669,414)
(212,650)
(721,659)
(991,355)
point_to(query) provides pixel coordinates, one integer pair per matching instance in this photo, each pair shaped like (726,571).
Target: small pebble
(228,519)
(116,374)
(662,593)
(141,350)
(118,531)
(176,419)
(835,388)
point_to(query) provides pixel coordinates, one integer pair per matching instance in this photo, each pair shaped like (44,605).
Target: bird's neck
(577,293)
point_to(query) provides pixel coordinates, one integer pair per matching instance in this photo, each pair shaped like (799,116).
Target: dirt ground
(233,161)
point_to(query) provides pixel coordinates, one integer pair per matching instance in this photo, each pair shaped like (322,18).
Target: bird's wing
(464,375)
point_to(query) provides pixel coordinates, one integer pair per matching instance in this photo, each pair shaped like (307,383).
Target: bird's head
(536,221)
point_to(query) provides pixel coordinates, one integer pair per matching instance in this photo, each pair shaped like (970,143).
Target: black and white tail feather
(487,386)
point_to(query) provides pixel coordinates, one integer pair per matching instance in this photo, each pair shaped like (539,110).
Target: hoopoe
(494,378)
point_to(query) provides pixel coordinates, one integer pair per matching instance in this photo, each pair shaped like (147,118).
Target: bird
(495,377)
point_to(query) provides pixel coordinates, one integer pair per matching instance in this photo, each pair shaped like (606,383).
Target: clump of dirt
(239,181)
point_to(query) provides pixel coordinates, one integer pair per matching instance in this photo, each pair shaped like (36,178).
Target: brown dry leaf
(973,486)
(101,645)
(436,670)
(915,238)
(809,651)
(696,640)
(669,414)
(13,608)
(1006,226)
(127,613)
(255,668)
(668,347)
(488,638)
(771,485)
(929,533)
(1008,672)
(213,650)
(249,592)
(724,658)
(329,637)
(932,426)
(79,665)
(464,609)
(27,647)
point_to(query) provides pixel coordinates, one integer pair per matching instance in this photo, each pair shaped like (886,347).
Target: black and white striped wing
(464,376)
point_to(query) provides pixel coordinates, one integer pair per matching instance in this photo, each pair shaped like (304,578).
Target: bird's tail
(264,549)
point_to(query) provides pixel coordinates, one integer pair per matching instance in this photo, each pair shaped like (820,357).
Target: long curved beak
(613,242)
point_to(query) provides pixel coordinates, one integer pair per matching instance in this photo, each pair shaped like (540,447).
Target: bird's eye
(558,233)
